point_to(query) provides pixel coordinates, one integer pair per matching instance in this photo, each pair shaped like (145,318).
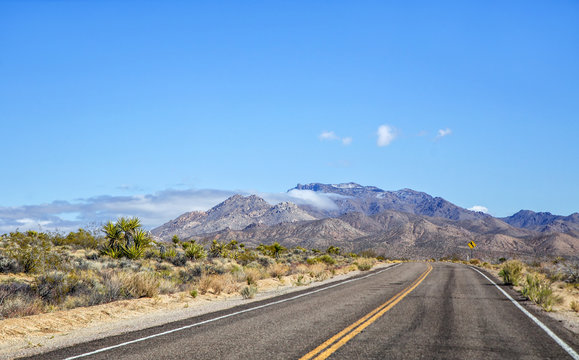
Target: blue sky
(108,102)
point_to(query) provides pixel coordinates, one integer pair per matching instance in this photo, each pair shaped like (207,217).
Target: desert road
(407,311)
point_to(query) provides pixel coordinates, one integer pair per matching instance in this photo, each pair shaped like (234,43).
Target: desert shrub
(178,260)
(54,286)
(167,286)
(138,285)
(217,284)
(32,251)
(195,251)
(110,288)
(300,281)
(191,273)
(18,299)
(368,254)
(538,289)
(474,262)
(9,265)
(318,271)
(251,275)
(81,238)
(574,305)
(246,257)
(571,273)
(92,255)
(211,282)
(237,272)
(511,272)
(326,259)
(273,250)
(311,260)
(277,270)
(249,292)
(265,261)
(194,293)
(301,269)
(333,250)
(365,264)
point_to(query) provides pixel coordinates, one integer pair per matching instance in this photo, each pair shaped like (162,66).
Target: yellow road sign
(471,245)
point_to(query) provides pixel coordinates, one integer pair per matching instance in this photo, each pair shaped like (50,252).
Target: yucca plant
(511,272)
(195,251)
(538,289)
(125,238)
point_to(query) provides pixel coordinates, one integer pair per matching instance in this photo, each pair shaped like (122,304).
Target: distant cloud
(304,197)
(330,136)
(152,209)
(479,208)
(385,135)
(443,132)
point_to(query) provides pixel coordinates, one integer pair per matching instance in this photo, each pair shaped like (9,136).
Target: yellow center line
(348,333)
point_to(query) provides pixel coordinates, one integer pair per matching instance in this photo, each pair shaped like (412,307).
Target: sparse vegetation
(550,283)
(538,289)
(365,264)
(52,271)
(249,292)
(511,272)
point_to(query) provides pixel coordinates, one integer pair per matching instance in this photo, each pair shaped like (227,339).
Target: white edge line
(223,316)
(549,332)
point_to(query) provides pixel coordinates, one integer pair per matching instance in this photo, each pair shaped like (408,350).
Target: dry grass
(278,270)
(319,271)
(252,275)
(218,284)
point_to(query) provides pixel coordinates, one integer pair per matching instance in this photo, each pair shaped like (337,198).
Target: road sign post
(471,245)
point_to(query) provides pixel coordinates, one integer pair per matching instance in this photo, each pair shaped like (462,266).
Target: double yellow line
(335,342)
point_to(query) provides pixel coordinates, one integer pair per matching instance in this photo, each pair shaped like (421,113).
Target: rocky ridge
(403,223)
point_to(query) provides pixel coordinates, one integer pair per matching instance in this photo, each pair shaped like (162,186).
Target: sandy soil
(43,332)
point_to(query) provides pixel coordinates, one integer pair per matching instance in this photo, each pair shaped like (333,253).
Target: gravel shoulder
(44,332)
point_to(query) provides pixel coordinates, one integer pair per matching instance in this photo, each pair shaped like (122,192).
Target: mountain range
(403,223)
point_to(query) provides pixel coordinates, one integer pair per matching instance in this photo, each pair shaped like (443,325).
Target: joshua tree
(125,238)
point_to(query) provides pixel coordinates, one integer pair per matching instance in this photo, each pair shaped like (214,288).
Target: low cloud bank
(153,209)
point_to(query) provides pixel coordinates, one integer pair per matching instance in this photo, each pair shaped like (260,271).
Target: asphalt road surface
(408,311)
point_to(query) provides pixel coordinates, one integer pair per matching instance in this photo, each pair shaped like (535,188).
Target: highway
(407,311)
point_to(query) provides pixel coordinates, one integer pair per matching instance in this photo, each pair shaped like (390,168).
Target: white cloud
(331,136)
(153,210)
(385,135)
(328,135)
(479,208)
(443,133)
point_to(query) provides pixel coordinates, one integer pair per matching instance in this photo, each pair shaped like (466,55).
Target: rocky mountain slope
(404,223)
(235,213)
(544,221)
(372,200)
